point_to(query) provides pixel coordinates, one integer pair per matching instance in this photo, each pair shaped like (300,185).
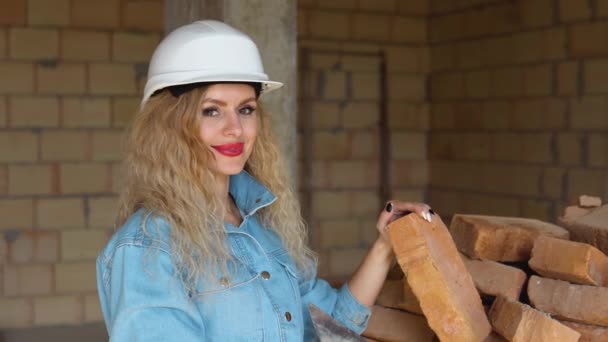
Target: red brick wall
(71,74)
(518,102)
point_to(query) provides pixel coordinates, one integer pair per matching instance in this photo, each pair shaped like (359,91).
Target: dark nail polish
(389,207)
(431,211)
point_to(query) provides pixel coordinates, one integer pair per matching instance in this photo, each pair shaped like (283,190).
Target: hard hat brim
(167,80)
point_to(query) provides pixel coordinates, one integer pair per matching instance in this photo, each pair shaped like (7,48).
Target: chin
(230,170)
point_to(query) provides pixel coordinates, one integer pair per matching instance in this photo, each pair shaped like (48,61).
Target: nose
(233,125)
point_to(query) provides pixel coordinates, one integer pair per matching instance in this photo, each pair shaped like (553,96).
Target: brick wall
(342,47)
(518,93)
(71,72)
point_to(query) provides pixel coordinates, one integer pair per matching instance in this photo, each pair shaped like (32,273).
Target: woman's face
(229,125)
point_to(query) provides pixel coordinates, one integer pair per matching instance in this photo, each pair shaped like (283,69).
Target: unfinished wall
(70,77)
(519,106)
(342,46)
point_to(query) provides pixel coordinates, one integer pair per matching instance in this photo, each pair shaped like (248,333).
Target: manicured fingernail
(428,214)
(389,207)
(431,211)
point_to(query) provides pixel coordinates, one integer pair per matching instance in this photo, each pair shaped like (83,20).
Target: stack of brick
(567,291)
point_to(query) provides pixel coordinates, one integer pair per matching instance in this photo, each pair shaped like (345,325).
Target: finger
(395,209)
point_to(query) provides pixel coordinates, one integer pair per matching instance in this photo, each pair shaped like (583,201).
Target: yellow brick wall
(342,45)
(70,81)
(519,112)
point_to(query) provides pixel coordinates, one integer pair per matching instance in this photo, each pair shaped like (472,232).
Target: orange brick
(365,204)
(588,228)
(410,116)
(345,261)
(16,312)
(588,112)
(364,145)
(13,12)
(447,86)
(507,82)
(495,279)
(57,310)
(64,145)
(124,108)
(75,277)
(48,13)
(395,325)
(34,111)
(359,63)
(570,148)
(439,279)
(339,234)
(371,27)
(408,87)
(407,59)
(330,204)
(567,78)
(334,87)
(85,178)
(324,114)
(409,173)
(18,146)
(21,249)
(585,181)
(79,45)
(538,80)
(519,322)
(46,247)
(415,142)
(92,309)
(349,174)
(408,30)
(578,303)
(28,280)
(33,44)
(333,25)
(112,79)
(540,113)
(596,75)
(570,261)
(597,150)
(81,112)
(397,294)
(16,213)
(572,10)
(61,213)
(29,179)
(61,78)
(143,15)
(3,43)
(586,39)
(589,333)
(365,85)
(133,47)
(360,115)
(500,238)
(585,201)
(118,177)
(328,145)
(17,78)
(102,212)
(82,245)
(90,13)
(108,145)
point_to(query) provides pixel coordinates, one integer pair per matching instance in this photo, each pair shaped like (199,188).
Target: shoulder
(143,229)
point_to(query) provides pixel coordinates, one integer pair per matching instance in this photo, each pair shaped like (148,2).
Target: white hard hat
(206,51)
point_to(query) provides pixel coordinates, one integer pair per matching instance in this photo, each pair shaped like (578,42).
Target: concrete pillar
(272,25)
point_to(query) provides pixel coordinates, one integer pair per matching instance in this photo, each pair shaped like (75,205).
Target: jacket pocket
(283,258)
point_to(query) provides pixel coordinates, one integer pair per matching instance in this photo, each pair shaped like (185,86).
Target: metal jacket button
(265,275)
(288,316)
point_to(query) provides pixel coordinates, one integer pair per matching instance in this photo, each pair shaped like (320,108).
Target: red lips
(230,150)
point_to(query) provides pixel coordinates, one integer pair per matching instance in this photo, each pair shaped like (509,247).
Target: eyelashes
(214,111)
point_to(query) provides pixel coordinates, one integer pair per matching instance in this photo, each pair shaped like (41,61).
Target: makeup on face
(230,150)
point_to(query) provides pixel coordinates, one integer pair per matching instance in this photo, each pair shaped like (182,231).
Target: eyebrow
(222,103)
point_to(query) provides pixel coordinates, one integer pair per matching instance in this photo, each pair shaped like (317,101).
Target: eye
(211,111)
(247,110)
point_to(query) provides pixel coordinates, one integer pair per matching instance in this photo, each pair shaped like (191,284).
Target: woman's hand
(395,209)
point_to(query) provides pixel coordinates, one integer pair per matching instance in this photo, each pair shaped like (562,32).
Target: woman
(211,244)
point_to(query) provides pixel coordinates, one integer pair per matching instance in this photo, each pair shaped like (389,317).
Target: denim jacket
(264,297)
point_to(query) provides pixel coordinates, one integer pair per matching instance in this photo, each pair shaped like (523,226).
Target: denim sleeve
(142,300)
(338,303)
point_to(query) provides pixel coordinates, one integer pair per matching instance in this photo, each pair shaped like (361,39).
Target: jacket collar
(249,194)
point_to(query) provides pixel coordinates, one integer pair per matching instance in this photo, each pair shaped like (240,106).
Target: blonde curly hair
(168,175)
